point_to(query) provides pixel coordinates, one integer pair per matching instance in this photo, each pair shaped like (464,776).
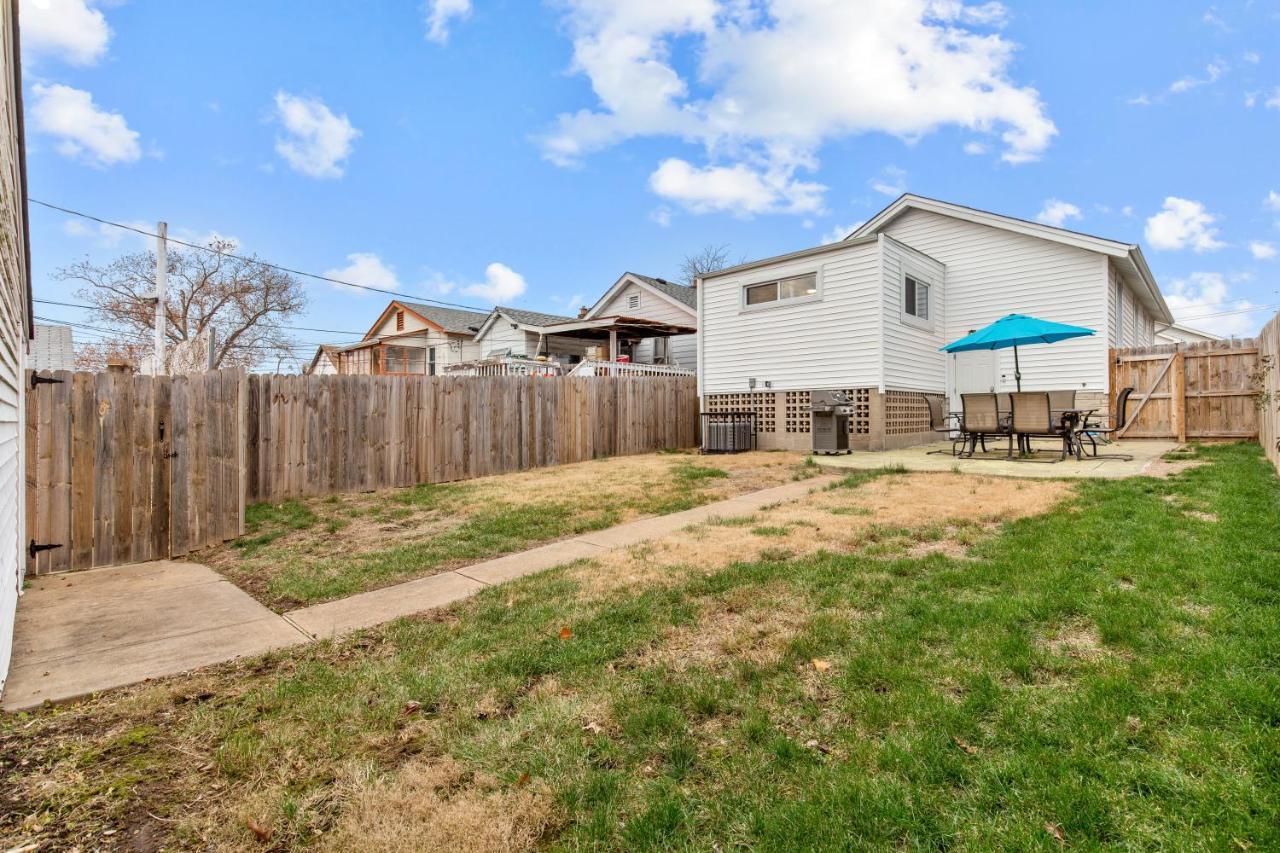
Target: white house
(15,330)
(870,313)
(324,362)
(1176,333)
(635,295)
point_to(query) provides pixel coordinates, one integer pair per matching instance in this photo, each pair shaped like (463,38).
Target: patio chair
(940,420)
(1033,418)
(979,418)
(1093,432)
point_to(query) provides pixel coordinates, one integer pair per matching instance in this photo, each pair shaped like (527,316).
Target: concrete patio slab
(89,631)
(1146,454)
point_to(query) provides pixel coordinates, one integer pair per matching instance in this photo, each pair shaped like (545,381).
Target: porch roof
(599,328)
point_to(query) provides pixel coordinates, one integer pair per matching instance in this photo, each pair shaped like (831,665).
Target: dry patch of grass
(300,552)
(1078,640)
(439,804)
(900,514)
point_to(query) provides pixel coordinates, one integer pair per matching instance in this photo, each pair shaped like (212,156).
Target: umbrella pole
(1017,371)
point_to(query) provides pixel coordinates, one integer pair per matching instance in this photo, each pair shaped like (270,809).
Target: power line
(100,308)
(247,260)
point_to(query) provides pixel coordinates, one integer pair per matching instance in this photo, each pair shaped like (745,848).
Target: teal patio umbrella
(1014,331)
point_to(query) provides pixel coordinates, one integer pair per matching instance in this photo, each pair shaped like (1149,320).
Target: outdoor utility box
(728,432)
(829,421)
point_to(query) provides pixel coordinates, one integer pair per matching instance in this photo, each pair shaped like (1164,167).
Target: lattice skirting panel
(763,403)
(787,412)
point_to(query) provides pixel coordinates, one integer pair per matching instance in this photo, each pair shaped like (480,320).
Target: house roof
(1181,327)
(1129,255)
(448,319)
(679,295)
(324,349)
(532,318)
(453,321)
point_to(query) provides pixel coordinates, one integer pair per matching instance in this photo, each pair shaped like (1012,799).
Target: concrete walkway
(82,632)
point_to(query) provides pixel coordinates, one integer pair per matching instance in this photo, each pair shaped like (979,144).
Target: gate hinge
(35,548)
(37,379)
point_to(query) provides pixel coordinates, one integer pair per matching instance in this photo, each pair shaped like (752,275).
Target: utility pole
(162,283)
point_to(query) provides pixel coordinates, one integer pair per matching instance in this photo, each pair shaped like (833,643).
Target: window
(399,321)
(633,301)
(796,287)
(915,298)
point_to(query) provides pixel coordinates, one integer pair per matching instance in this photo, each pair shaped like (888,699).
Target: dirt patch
(1164,468)
(1200,515)
(917,513)
(1078,640)
(438,804)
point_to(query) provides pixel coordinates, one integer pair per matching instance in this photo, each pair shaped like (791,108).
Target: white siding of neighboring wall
(992,272)
(12,348)
(500,336)
(912,360)
(683,348)
(324,367)
(833,342)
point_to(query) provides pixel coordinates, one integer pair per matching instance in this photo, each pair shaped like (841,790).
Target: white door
(973,372)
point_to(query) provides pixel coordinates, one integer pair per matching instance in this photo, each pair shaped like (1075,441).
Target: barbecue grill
(829,421)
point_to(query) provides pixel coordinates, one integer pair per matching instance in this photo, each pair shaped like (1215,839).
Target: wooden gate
(123,468)
(1189,391)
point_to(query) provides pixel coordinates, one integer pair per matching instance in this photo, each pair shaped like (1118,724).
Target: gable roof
(1128,255)
(453,321)
(683,297)
(324,349)
(522,317)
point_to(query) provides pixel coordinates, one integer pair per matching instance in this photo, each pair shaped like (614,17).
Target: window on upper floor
(782,290)
(915,298)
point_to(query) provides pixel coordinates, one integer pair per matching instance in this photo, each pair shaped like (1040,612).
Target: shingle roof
(450,319)
(687,295)
(533,318)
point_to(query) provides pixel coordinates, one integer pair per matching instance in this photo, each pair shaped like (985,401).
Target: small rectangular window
(399,321)
(633,301)
(796,287)
(915,298)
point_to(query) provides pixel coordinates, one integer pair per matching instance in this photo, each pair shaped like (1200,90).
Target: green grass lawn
(1105,675)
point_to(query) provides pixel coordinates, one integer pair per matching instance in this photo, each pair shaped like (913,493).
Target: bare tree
(96,356)
(709,259)
(239,300)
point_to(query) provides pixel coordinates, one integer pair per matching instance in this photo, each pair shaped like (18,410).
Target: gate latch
(35,548)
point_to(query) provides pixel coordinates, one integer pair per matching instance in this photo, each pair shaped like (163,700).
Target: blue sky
(469,150)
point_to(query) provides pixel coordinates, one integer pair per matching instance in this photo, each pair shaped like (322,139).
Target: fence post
(1178,396)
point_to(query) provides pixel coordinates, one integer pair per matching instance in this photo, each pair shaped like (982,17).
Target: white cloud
(1272,201)
(736,189)
(1200,294)
(772,81)
(1056,212)
(1252,57)
(1273,102)
(1213,19)
(1140,101)
(442,13)
(106,236)
(1127,210)
(1261,250)
(71,30)
(1250,99)
(367,269)
(661,216)
(84,130)
(1183,224)
(501,286)
(975,148)
(839,232)
(316,142)
(1212,73)
(892,181)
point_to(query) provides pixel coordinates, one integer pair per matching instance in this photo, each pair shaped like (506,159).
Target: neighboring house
(410,338)
(1176,333)
(15,329)
(324,362)
(519,333)
(641,296)
(52,348)
(869,314)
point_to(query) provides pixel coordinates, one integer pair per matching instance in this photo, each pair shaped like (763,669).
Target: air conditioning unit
(728,432)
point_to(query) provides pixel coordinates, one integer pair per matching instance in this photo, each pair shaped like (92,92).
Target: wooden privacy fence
(1269,376)
(316,435)
(1189,391)
(122,468)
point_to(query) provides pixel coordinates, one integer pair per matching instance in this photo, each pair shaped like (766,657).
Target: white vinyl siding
(13,348)
(500,336)
(831,342)
(683,349)
(991,272)
(912,359)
